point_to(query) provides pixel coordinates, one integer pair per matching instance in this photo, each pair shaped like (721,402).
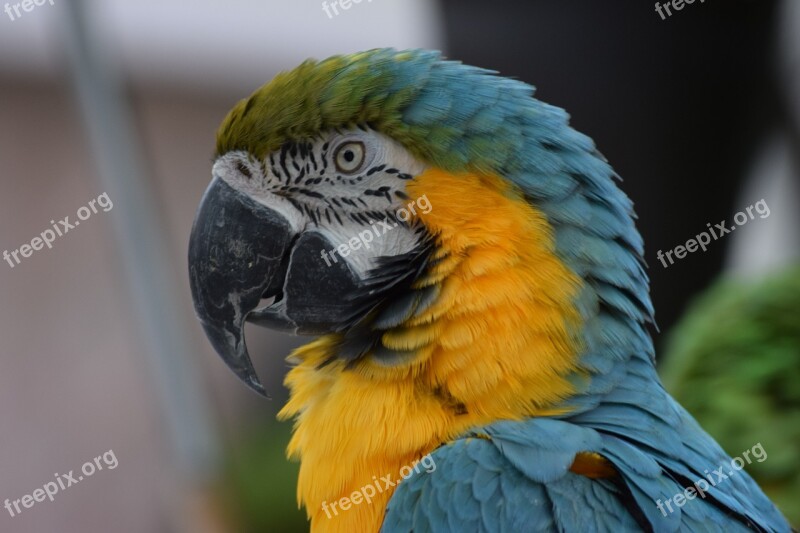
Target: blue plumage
(514,476)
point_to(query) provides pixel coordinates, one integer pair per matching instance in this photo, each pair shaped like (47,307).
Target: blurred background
(699,113)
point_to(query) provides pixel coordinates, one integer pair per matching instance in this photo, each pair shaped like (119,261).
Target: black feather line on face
(385,287)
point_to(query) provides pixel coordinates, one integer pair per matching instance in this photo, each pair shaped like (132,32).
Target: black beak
(238,254)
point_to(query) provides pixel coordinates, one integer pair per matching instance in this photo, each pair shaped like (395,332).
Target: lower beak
(238,254)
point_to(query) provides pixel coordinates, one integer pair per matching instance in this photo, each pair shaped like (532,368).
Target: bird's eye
(349,156)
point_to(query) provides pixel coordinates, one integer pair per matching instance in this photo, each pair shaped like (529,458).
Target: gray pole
(139,234)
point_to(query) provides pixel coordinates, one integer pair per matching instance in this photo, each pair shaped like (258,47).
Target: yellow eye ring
(349,156)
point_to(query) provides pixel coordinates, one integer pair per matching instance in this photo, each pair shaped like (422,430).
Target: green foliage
(259,489)
(734,363)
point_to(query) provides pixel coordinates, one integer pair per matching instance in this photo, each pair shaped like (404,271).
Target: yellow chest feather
(498,343)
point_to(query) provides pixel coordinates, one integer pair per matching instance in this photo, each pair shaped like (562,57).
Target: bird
(475,287)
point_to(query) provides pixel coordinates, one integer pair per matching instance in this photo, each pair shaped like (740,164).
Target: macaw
(475,283)
(734,362)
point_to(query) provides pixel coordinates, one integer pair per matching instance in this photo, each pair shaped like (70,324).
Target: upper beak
(238,254)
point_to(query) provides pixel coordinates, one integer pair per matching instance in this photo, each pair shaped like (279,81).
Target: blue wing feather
(515,477)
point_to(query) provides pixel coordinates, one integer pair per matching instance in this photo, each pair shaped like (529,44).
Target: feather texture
(523,344)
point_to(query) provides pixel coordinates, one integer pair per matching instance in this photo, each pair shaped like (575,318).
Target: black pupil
(349,156)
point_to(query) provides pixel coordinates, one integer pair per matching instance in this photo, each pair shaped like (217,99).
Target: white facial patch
(347,186)
(229,168)
(360,245)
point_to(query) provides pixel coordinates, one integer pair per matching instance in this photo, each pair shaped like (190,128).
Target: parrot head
(462,254)
(280,228)
(320,216)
